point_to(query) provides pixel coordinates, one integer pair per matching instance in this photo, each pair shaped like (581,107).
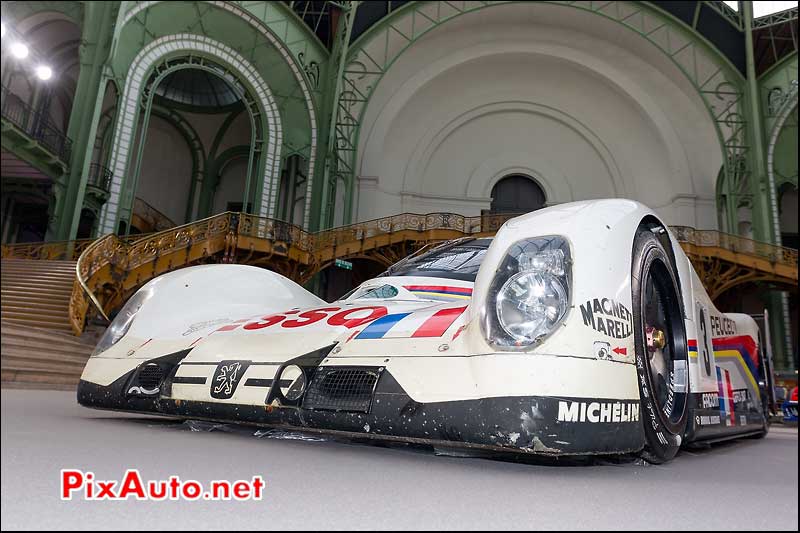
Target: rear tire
(662,362)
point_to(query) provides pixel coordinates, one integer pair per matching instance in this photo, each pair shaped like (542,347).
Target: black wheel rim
(663,329)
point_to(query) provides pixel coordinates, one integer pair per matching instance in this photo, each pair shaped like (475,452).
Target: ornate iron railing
(54,250)
(734,243)
(57,250)
(35,125)
(275,230)
(105,263)
(411,222)
(100,177)
(105,267)
(157,220)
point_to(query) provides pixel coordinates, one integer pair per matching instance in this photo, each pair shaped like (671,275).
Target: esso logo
(335,316)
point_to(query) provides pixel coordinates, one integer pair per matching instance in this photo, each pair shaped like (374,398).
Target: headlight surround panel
(123,321)
(530,293)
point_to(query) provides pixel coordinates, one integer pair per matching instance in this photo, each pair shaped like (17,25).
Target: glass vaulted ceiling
(197,88)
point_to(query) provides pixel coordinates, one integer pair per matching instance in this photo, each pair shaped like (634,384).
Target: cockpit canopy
(458,259)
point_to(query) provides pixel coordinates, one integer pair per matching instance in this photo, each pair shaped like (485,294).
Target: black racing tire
(765,430)
(663,374)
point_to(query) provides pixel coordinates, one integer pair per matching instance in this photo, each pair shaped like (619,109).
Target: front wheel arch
(662,372)
(655,226)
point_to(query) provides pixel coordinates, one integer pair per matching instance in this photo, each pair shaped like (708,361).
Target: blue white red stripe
(743,345)
(444,291)
(418,324)
(725,390)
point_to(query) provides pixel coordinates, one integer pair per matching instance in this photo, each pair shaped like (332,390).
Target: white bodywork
(229,311)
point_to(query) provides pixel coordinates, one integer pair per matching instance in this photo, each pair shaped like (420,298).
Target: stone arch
(712,78)
(508,190)
(551,179)
(140,69)
(299,73)
(149,90)
(789,106)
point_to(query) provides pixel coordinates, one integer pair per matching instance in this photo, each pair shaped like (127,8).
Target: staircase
(36,293)
(41,358)
(37,347)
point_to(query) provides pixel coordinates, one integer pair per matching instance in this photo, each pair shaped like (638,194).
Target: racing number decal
(704,347)
(349,318)
(344,318)
(309,317)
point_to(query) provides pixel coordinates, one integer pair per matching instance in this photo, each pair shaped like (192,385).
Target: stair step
(27,385)
(12,295)
(24,292)
(33,314)
(21,271)
(46,316)
(43,368)
(57,366)
(27,376)
(17,348)
(38,349)
(43,281)
(14,272)
(35,292)
(54,262)
(40,265)
(59,328)
(63,369)
(32,278)
(21,305)
(47,339)
(35,334)
(16,305)
(39,362)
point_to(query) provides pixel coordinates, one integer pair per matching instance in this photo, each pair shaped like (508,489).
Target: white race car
(578,329)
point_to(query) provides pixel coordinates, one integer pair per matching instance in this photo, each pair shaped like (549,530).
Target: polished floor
(748,484)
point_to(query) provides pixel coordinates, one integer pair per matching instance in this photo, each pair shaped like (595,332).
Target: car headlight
(122,322)
(530,293)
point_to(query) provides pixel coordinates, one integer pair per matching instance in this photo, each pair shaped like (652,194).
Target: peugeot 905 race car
(578,329)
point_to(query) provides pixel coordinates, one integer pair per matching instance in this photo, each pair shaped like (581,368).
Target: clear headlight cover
(530,293)
(122,322)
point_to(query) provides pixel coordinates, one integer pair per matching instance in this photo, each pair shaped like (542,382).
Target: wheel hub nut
(656,339)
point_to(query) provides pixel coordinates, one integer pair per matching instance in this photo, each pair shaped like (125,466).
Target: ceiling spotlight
(19,50)
(44,72)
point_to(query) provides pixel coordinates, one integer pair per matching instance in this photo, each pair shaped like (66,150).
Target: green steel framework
(305,55)
(346,78)
(160,72)
(722,87)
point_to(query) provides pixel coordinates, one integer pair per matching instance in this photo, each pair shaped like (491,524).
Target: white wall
(166,174)
(231,185)
(788,211)
(208,125)
(165,177)
(588,109)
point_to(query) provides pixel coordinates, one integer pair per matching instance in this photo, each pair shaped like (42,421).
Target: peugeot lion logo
(226,378)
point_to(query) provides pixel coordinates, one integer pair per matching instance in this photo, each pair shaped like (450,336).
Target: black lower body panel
(527,424)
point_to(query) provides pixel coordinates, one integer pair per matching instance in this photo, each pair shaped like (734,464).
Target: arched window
(517,194)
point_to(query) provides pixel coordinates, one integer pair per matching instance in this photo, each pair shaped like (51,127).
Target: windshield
(458,259)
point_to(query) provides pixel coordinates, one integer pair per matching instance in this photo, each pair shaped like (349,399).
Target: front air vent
(342,389)
(150,376)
